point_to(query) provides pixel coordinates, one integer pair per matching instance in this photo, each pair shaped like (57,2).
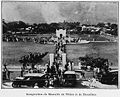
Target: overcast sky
(38,12)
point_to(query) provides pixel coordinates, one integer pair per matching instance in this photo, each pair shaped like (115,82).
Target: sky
(48,12)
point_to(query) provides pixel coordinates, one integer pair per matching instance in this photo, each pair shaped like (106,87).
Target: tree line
(45,28)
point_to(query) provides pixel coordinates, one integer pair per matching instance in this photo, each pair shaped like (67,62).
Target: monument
(60,33)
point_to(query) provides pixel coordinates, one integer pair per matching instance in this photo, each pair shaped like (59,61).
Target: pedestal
(63,59)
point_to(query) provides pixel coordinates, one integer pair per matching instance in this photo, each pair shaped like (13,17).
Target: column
(63,59)
(79,65)
(51,59)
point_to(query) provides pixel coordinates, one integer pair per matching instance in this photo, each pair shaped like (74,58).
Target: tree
(100,24)
(5,26)
(32,58)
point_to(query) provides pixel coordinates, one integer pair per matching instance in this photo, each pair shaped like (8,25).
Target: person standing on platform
(22,71)
(68,66)
(48,70)
(6,71)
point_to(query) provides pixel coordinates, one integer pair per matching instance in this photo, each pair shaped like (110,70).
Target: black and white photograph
(59,45)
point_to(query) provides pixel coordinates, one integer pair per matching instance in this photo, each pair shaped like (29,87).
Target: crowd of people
(15,38)
(42,40)
(55,73)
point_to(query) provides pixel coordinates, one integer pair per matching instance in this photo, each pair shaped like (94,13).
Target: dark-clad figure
(6,72)
(22,71)
(66,67)
(57,66)
(56,82)
(53,71)
(83,74)
(48,70)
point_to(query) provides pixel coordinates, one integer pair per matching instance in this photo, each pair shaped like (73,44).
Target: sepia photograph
(59,44)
